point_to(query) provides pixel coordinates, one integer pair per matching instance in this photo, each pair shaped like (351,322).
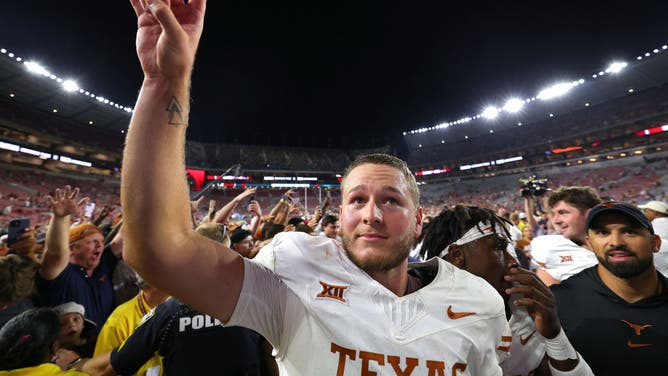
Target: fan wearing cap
(29,342)
(77,267)
(657,212)
(72,326)
(478,241)
(241,241)
(615,312)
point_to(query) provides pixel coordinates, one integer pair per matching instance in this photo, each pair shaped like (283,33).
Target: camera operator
(534,192)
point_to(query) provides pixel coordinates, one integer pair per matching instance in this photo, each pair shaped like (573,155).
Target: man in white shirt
(354,307)
(560,256)
(657,212)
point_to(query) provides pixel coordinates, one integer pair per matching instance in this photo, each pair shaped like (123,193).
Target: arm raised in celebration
(159,241)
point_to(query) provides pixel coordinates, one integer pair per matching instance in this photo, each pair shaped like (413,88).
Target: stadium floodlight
(513,105)
(36,68)
(616,67)
(70,86)
(555,90)
(490,112)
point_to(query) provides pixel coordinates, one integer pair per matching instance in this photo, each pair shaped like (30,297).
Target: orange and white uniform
(323,315)
(528,346)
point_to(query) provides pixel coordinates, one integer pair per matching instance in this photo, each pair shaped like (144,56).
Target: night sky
(341,74)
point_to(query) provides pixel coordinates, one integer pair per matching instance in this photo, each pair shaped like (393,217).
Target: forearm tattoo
(175,110)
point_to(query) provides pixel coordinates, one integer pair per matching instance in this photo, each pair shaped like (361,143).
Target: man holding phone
(77,266)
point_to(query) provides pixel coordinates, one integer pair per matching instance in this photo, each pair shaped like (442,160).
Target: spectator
(17,284)
(515,232)
(241,241)
(73,326)
(331,226)
(28,344)
(657,212)
(560,256)
(77,267)
(477,240)
(307,289)
(123,321)
(615,312)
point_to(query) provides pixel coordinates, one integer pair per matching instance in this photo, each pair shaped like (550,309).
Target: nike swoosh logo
(634,345)
(524,341)
(458,315)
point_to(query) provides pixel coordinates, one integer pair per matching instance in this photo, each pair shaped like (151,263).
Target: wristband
(559,347)
(72,363)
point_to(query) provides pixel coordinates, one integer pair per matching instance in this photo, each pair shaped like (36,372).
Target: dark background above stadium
(341,74)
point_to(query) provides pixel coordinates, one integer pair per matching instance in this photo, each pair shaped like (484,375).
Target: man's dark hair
(452,223)
(270,229)
(329,218)
(583,198)
(27,339)
(295,221)
(303,227)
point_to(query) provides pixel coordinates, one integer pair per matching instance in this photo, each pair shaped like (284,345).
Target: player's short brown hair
(583,198)
(387,160)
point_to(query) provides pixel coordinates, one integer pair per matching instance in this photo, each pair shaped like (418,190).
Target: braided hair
(26,340)
(452,223)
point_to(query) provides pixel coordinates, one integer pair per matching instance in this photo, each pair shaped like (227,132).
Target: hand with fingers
(246,193)
(64,202)
(537,298)
(325,204)
(167,36)
(255,209)
(194,205)
(317,215)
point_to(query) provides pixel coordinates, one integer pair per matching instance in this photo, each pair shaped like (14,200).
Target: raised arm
(255,209)
(159,241)
(64,206)
(530,210)
(223,215)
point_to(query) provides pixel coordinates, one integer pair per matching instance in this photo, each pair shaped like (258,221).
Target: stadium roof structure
(641,74)
(45,92)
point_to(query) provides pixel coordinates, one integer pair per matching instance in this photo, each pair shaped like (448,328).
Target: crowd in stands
(614,121)
(245,220)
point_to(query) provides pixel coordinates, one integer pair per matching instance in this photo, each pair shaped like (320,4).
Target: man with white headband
(477,240)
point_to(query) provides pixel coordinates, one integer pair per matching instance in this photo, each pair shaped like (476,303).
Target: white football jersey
(560,257)
(528,346)
(661,258)
(325,316)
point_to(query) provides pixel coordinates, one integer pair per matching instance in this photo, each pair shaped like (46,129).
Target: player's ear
(456,256)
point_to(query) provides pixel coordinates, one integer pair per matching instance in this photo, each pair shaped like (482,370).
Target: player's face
(379,220)
(87,251)
(71,326)
(488,258)
(622,246)
(569,221)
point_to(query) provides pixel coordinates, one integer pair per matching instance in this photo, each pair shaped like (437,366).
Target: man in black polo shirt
(615,313)
(77,267)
